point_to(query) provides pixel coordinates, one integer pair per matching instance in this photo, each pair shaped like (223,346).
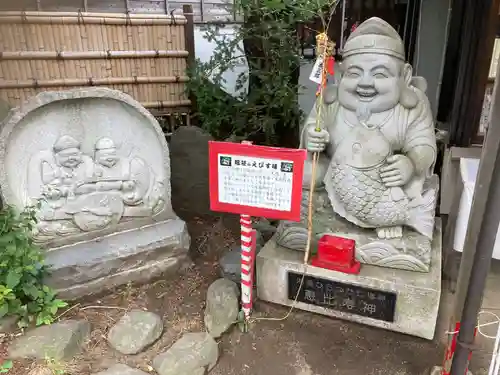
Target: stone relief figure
(79,193)
(374,178)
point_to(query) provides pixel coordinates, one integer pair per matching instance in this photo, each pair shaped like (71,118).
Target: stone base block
(129,256)
(417,294)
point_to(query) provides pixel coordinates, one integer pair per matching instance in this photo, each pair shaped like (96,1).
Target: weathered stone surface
(417,294)
(120,369)
(130,256)
(101,162)
(135,331)
(189,155)
(222,306)
(8,324)
(192,354)
(265,229)
(59,341)
(230,264)
(98,162)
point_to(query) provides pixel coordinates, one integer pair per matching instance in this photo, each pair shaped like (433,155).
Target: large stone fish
(358,194)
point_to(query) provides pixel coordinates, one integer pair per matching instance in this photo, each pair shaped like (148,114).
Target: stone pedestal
(417,294)
(136,255)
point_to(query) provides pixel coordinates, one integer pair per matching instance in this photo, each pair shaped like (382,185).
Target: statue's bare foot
(390,232)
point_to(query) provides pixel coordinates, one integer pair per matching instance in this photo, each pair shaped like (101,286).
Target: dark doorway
(403,15)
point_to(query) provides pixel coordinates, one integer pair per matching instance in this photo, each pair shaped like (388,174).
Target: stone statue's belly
(355,178)
(362,148)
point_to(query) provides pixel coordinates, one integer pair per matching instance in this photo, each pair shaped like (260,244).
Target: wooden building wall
(204,10)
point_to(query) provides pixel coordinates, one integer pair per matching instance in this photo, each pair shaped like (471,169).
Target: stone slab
(418,294)
(129,256)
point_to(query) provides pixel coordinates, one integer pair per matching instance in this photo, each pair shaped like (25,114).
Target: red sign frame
(298,156)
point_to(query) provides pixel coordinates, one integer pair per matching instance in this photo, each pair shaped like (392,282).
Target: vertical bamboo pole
(189,40)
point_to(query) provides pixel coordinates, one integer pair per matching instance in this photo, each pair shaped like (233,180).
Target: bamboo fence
(143,55)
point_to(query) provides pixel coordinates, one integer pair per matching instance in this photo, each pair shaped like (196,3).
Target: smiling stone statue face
(371,80)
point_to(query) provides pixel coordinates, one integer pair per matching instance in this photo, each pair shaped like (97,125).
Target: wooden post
(465,75)
(187,9)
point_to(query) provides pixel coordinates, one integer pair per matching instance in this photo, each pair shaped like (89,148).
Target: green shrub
(22,271)
(269,42)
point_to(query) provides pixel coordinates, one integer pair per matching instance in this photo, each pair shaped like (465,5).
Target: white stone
(98,164)
(222,307)
(418,294)
(60,341)
(193,354)
(135,331)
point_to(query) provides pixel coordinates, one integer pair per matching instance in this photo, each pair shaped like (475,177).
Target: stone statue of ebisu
(377,146)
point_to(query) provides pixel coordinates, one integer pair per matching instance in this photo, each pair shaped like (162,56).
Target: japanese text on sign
(254,181)
(376,304)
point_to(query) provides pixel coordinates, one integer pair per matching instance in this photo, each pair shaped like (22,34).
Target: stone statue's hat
(104,144)
(375,36)
(65,142)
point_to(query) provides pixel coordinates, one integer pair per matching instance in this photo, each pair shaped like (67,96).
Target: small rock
(8,324)
(230,264)
(135,331)
(222,306)
(265,229)
(192,354)
(40,370)
(120,369)
(58,341)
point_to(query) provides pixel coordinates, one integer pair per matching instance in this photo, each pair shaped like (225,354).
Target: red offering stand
(336,254)
(254,181)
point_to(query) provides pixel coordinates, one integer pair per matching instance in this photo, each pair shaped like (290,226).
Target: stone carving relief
(93,160)
(377,146)
(79,192)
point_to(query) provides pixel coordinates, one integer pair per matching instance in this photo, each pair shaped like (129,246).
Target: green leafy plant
(6,366)
(22,271)
(268,40)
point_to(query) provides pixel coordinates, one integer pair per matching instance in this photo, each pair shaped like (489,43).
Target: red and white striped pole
(247,243)
(247,260)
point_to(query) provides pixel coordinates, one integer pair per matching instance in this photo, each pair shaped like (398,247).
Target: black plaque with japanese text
(354,299)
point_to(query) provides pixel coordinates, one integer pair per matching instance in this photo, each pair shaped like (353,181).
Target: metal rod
(342,25)
(486,199)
